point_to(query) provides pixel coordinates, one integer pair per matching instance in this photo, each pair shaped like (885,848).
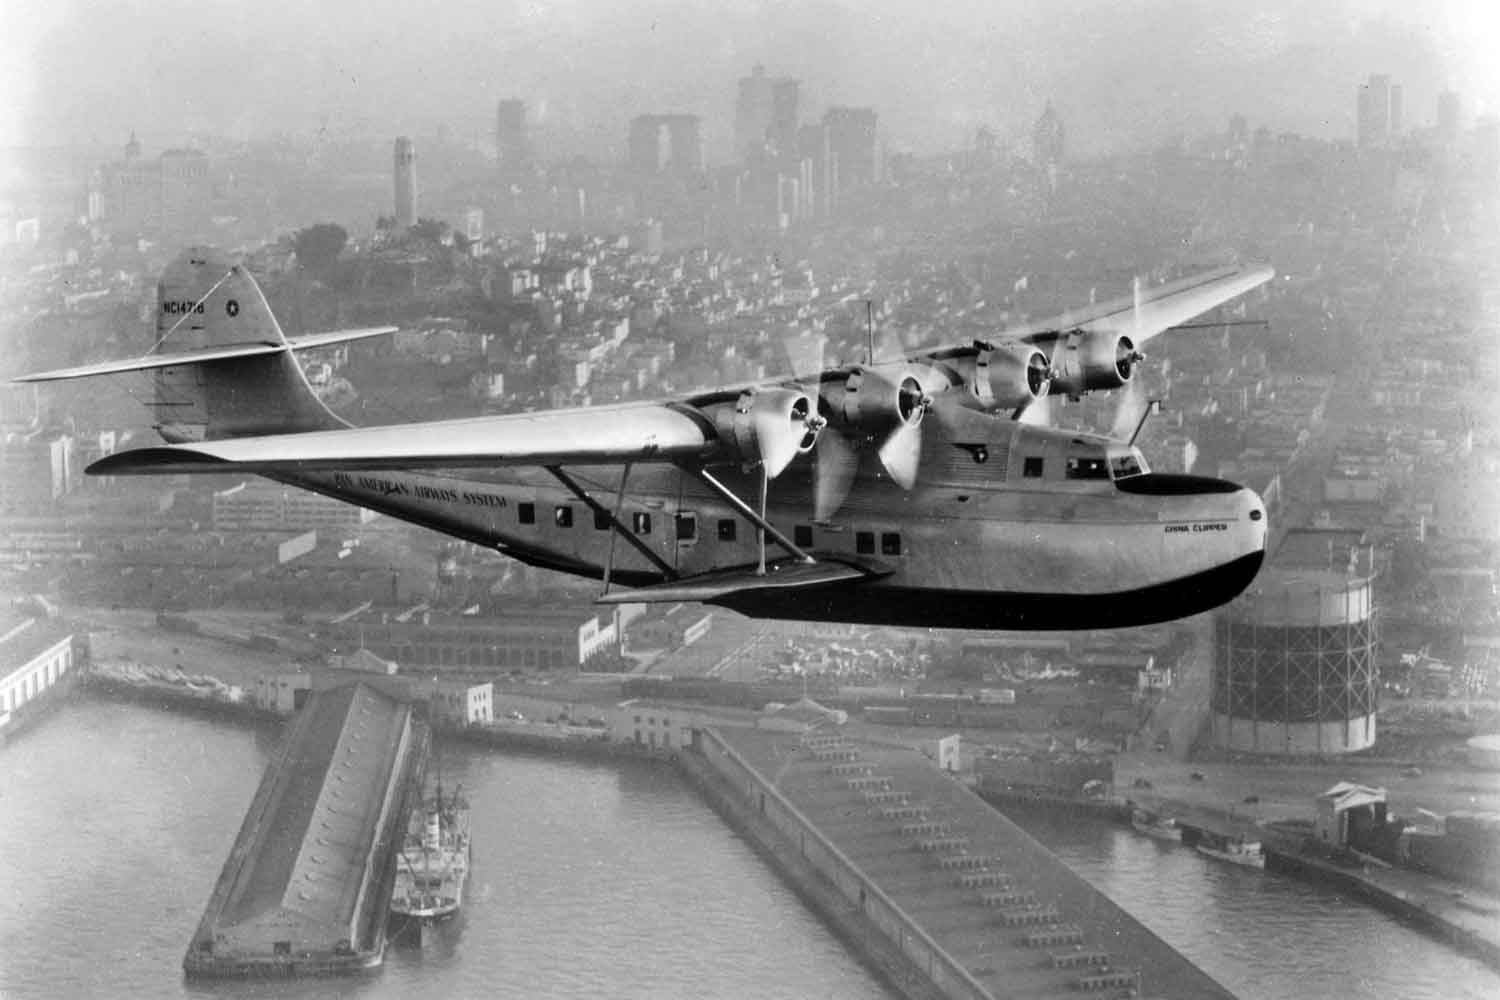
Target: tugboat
(433,864)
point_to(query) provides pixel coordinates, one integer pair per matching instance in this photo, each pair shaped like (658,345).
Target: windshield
(1127,465)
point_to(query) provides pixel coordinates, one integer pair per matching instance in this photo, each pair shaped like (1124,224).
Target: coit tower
(406,183)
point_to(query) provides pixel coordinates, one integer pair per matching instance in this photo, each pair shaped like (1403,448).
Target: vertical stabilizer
(205,300)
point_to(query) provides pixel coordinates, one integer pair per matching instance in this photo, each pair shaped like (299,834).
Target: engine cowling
(767,426)
(1090,361)
(872,403)
(1010,377)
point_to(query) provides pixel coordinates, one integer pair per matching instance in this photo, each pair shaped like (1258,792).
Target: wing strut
(614,522)
(750,514)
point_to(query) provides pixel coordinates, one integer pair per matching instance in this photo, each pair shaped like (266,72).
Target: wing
(1159,308)
(641,432)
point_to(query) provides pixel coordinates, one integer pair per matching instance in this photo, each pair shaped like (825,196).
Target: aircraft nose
(1252,516)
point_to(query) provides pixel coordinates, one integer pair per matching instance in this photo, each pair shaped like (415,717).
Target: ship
(1155,825)
(1235,850)
(433,863)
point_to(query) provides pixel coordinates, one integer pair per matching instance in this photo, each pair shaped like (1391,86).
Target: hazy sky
(1119,70)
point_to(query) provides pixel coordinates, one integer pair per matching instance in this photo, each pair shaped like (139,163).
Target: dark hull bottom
(878,604)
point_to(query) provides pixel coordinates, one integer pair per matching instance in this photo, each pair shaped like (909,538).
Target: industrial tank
(1295,665)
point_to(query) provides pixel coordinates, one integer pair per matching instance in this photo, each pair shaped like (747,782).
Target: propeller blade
(901,453)
(1129,408)
(1039,413)
(836,462)
(806,354)
(1132,402)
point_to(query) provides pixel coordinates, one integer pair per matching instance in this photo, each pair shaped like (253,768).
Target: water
(589,879)
(1264,936)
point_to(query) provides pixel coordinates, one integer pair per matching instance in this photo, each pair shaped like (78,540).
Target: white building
(282,693)
(457,703)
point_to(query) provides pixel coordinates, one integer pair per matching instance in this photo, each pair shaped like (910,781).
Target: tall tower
(406,184)
(510,135)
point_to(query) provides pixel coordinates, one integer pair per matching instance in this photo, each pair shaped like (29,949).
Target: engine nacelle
(1090,361)
(872,403)
(767,426)
(1010,377)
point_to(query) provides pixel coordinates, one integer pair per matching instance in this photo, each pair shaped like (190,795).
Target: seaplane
(911,491)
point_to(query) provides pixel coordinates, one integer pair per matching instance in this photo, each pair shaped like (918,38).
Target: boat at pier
(1235,850)
(433,864)
(1155,825)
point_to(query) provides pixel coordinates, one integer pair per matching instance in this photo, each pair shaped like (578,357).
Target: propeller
(836,459)
(901,452)
(1132,405)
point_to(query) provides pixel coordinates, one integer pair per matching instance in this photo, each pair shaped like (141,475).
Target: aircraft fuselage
(1011,526)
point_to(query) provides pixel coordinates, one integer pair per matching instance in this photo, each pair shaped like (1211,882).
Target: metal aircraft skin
(907,492)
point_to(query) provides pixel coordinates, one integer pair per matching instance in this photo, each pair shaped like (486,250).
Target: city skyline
(1133,76)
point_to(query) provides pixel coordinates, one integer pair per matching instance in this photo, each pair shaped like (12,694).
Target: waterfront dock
(975,906)
(305,888)
(1466,916)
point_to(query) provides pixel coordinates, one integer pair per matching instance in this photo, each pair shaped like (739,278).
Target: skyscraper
(781,132)
(1373,112)
(765,112)
(851,143)
(752,114)
(513,150)
(666,144)
(406,183)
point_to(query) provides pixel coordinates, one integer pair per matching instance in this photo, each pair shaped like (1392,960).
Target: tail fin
(223,366)
(205,303)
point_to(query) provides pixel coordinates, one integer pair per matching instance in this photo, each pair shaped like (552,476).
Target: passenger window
(864,543)
(563,516)
(726,529)
(802,536)
(1125,466)
(890,544)
(642,522)
(601,519)
(526,512)
(1087,468)
(687,527)
(1032,468)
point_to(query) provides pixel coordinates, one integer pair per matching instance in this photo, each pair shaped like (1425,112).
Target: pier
(971,905)
(306,887)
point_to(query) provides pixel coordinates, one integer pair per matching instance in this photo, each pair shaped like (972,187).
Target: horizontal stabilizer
(309,341)
(203,355)
(602,435)
(785,575)
(151,361)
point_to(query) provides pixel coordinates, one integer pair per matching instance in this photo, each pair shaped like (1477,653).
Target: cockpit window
(1124,466)
(1087,468)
